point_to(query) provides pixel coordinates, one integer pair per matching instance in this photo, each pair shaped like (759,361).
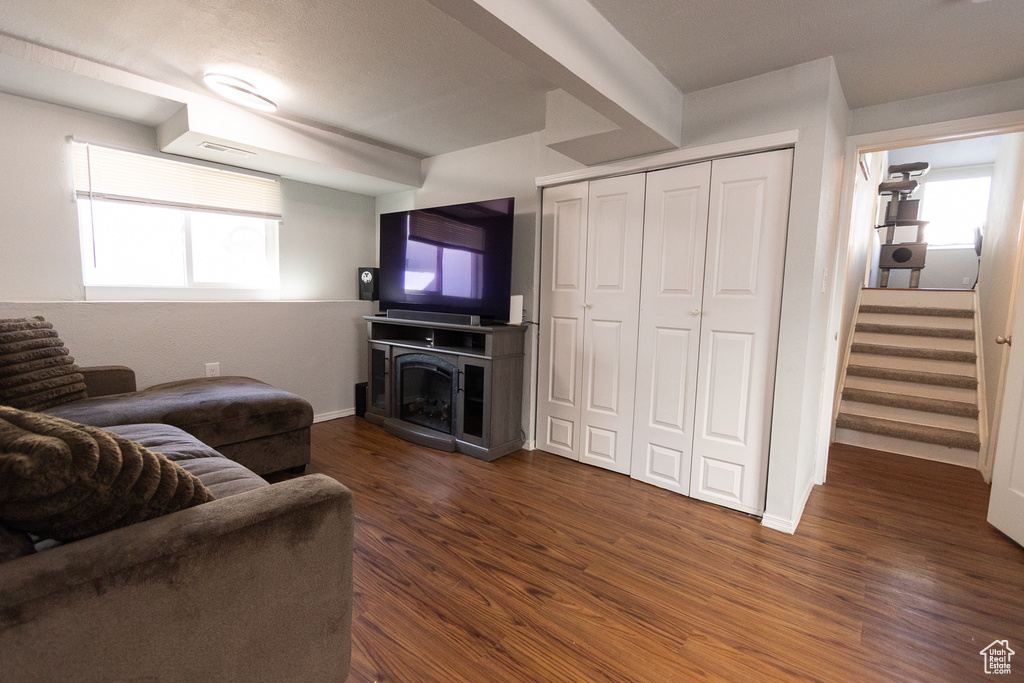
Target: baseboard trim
(530,445)
(788,525)
(333,415)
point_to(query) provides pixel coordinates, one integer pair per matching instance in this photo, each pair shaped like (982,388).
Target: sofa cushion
(36,371)
(67,481)
(222,476)
(215,410)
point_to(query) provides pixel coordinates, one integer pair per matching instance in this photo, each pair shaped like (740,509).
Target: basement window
(953,209)
(155,227)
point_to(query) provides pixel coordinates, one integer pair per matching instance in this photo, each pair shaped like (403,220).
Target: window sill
(110,293)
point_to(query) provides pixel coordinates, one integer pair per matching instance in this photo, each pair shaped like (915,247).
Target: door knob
(1004,340)
(695,311)
(587,306)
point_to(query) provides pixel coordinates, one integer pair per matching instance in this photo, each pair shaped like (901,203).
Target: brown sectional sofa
(255,585)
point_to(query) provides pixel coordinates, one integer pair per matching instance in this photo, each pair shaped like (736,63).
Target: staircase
(911,379)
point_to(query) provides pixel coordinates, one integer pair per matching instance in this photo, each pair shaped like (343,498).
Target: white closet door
(675,232)
(747,225)
(563,292)
(614,253)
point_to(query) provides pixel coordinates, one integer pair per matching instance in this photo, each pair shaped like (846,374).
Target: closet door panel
(614,254)
(563,292)
(746,243)
(675,233)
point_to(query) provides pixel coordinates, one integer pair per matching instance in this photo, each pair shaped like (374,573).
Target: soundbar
(432,317)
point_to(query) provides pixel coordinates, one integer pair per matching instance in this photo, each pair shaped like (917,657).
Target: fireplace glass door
(427,391)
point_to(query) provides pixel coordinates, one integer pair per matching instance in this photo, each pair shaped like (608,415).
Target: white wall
(508,168)
(326,235)
(999,259)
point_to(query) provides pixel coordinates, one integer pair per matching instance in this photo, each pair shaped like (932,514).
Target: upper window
(953,209)
(154,227)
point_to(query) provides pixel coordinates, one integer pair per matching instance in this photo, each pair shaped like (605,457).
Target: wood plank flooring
(535,568)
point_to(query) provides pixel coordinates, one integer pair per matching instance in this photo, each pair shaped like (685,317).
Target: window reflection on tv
(452,259)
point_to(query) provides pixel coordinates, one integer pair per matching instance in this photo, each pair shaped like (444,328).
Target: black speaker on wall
(369,289)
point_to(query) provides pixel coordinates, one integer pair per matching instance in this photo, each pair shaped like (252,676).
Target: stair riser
(918,297)
(917,321)
(913,342)
(952,456)
(910,389)
(964,424)
(915,364)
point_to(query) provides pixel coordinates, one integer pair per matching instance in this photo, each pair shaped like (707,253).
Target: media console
(457,388)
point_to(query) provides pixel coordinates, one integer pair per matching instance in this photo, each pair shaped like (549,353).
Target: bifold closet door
(748,218)
(614,253)
(592,236)
(563,294)
(675,232)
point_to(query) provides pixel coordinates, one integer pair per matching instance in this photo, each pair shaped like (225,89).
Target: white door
(675,232)
(563,293)
(1006,504)
(614,253)
(747,225)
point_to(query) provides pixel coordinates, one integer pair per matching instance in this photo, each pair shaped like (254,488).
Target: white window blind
(104,173)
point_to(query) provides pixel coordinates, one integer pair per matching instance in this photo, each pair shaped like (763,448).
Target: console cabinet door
(473,415)
(378,388)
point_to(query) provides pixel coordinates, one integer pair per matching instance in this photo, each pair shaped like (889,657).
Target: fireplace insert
(427,391)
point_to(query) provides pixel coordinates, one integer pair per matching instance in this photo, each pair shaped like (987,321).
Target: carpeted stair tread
(918,310)
(933,378)
(914,352)
(911,330)
(954,438)
(928,405)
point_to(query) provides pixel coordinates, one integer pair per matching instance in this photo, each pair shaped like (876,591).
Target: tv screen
(448,259)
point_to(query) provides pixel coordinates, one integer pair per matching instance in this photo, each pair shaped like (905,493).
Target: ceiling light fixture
(237,90)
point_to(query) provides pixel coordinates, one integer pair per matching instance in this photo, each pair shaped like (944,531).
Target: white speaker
(515,309)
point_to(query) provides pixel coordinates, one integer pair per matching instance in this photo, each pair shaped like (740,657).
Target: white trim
(530,445)
(788,525)
(333,415)
(676,157)
(183,293)
(929,133)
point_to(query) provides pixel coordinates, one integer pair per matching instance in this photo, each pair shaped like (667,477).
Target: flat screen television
(448,259)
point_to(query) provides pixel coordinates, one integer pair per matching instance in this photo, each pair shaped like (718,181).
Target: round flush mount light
(237,90)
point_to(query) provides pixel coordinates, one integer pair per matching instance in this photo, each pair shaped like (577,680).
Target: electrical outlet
(213,369)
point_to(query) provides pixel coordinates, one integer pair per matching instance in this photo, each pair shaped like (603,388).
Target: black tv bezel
(493,308)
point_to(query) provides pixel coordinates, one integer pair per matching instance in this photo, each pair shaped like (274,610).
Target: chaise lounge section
(263,428)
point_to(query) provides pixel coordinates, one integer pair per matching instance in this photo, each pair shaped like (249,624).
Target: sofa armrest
(256,586)
(104,380)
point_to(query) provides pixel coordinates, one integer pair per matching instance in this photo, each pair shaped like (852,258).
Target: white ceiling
(407,76)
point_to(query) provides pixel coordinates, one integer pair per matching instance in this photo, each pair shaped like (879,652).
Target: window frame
(954,173)
(191,290)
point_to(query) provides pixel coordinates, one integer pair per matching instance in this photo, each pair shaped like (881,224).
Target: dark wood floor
(535,568)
